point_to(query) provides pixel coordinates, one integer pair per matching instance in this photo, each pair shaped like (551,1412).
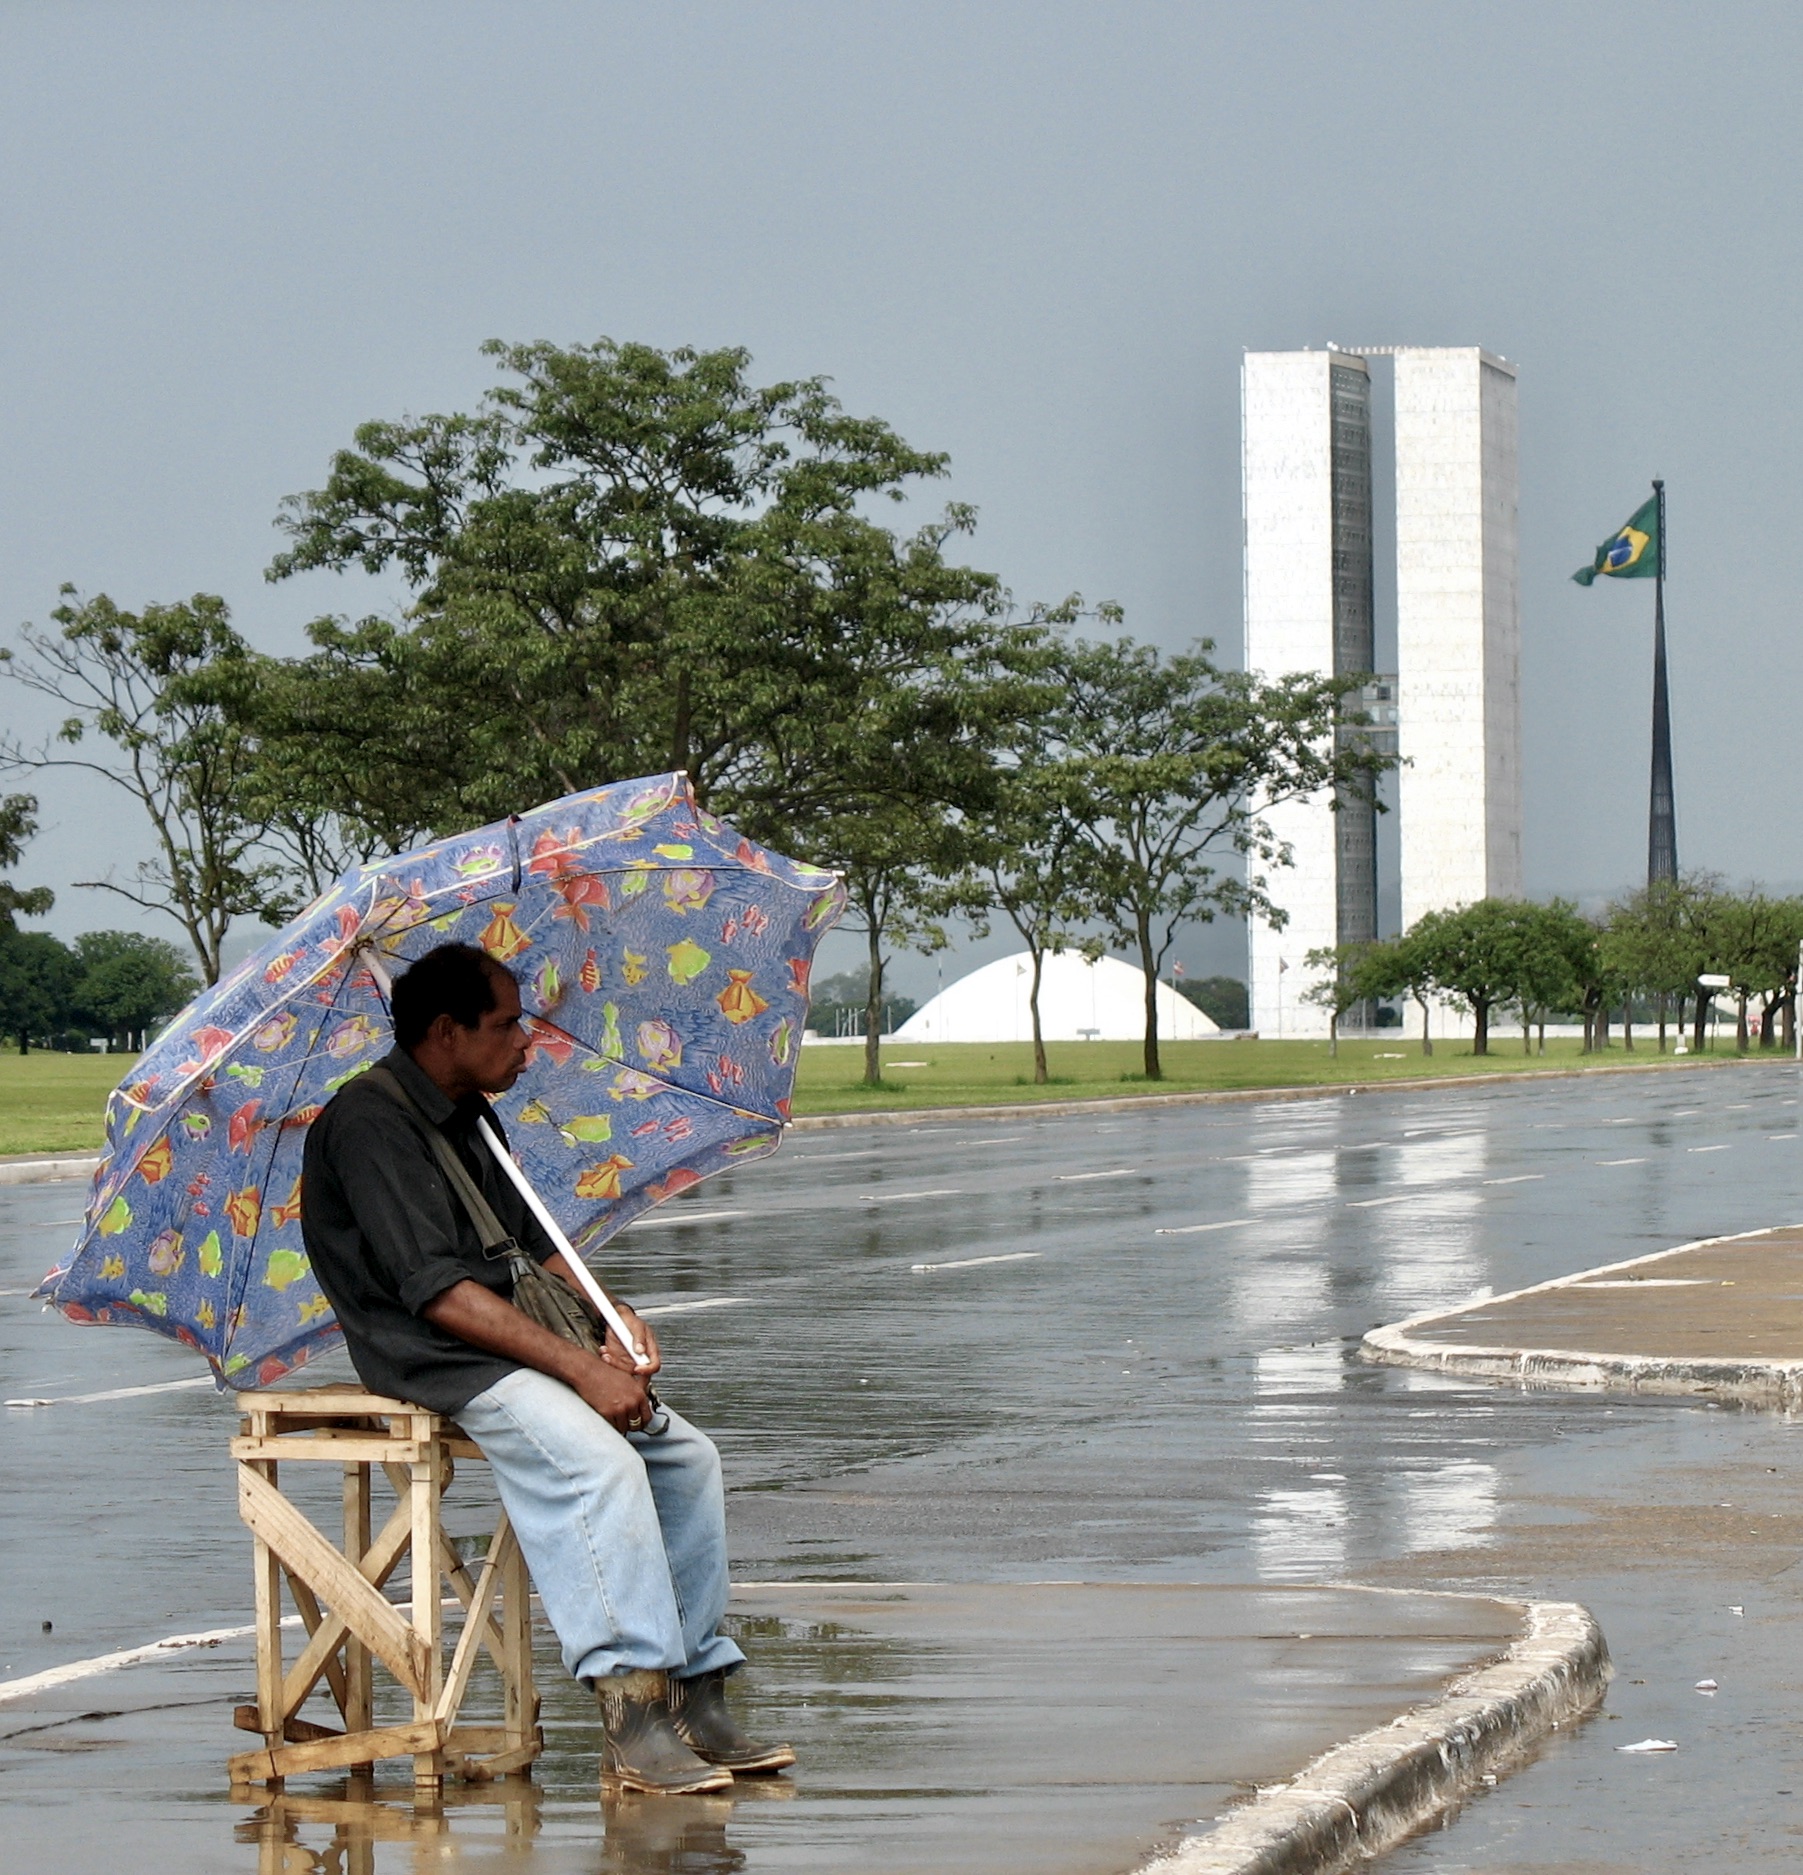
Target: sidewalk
(1722,1317)
(948,1729)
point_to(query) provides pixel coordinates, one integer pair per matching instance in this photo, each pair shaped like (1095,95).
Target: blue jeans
(624,1533)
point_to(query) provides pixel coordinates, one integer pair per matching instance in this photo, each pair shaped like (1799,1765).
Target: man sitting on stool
(617,1503)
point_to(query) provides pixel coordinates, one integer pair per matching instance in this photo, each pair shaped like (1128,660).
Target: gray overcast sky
(1036,236)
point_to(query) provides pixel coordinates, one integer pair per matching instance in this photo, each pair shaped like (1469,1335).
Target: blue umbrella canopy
(663,964)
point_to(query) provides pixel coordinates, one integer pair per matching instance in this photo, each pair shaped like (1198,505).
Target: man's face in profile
(493,1053)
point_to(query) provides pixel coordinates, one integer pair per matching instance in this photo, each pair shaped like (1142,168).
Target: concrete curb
(45,1169)
(1366,1796)
(1210,1097)
(1763,1383)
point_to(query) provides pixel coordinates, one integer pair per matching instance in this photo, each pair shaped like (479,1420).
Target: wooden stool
(349,1621)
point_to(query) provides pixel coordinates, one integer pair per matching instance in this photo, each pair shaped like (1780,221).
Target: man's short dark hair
(455,980)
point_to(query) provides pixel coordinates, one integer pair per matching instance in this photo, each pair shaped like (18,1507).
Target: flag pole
(1662,828)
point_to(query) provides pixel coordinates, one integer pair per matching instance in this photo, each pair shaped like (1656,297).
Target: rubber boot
(703,1719)
(640,1749)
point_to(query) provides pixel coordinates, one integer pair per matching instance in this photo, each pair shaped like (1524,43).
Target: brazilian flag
(1632,553)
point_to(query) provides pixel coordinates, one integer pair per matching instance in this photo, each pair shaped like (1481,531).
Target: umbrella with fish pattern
(663,965)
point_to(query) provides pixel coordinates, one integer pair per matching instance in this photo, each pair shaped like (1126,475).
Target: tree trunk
(24,1043)
(1427,1040)
(1790,1015)
(1480,1012)
(1768,1022)
(1154,1068)
(1662,1022)
(1703,1002)
(1627,1026)
(1333,1034)
(1602,1028)
(873,1011)
(1543,1035)
(1740,1024)
(1039,1068)
(1527,1031)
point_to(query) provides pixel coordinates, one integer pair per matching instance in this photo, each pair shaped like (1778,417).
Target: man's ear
(441,1032)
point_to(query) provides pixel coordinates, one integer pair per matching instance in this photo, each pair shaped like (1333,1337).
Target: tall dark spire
(1662,823)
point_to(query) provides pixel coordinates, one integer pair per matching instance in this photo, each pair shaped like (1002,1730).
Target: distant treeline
(1641,959)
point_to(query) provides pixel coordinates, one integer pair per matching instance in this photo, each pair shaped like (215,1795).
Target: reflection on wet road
(1100,1347)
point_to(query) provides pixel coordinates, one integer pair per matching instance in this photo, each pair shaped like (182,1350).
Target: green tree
(1756,941)
(1034,856)
(37,977)
(1472,953)
(626,560)
(18,823)
(150,684)
(1394,969)
(126,983)
(34,968)
(1339,986)
(1223,1000)
(1173,763)
(1647,944)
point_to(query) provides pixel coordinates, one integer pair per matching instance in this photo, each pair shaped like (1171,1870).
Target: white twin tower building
(1455,699)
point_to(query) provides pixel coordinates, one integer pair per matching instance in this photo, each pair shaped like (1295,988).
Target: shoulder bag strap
(497,1241)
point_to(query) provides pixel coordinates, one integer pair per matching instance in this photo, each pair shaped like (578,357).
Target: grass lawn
(977,1074)
(53,1103)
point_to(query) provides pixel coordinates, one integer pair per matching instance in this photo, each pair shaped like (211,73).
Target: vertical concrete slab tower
(1458,629)
(1306,469)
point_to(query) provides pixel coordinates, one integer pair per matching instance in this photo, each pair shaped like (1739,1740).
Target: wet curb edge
(1767,1383)
(1364,1797)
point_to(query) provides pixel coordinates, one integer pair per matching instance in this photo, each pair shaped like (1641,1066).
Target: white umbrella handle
(505,1160)
(592,1289)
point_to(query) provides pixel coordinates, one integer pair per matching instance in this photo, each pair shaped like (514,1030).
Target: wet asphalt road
(1129,1357)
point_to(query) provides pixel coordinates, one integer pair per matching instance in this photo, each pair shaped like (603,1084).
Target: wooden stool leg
(359,1681)
(428,1616)
(266,1572)
(519,1710)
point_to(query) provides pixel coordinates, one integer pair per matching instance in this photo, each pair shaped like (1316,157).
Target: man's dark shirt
(386,1234)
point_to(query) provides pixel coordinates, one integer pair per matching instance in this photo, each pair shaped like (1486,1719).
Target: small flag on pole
(1630,553)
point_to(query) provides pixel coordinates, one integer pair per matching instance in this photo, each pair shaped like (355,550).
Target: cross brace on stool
(350,1623)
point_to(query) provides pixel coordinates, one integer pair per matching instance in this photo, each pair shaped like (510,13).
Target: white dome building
(1078,1002)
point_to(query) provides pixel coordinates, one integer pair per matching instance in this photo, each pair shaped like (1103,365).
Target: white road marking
(682,1217)
(1366,1204)
(1190,1230)
(1722,1148)
(970,1263)
(1621,1162)
(1781,1136)
(972,1145)
(904,1197)
(689,1308)
(1520,1178)
(1076,1178)
(53,1677)
(115,1393)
